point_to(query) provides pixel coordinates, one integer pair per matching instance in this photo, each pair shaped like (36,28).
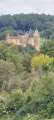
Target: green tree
(13,56)
(27,62)
(41,61)
(7,72)
(16,100)
(2,51)
(48,48)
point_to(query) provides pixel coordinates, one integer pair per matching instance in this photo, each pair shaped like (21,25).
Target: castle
(30,37)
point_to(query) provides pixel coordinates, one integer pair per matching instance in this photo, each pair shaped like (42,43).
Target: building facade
(32,38)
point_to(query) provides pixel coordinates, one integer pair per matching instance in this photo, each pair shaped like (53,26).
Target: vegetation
(26,82)
(48,48)
(27,75)
(19,24)
(41,61)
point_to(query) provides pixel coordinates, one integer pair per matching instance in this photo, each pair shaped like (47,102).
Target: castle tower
(7,38)
(30,33)
(37,40)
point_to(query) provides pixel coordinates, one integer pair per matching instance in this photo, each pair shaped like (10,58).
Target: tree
(27,62)
(13,55)
(41,61)
(7,73)
(2,51)
(48,48)
(23,22)
(15,101)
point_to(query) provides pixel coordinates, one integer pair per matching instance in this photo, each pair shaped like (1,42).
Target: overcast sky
(26,6)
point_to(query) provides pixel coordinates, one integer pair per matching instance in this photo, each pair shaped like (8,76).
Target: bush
(15,101)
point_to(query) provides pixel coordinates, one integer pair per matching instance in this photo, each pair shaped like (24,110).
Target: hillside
(26,82)
(27,74)
(20,23)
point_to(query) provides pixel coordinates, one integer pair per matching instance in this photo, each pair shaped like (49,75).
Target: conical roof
(36,33)
(30,33)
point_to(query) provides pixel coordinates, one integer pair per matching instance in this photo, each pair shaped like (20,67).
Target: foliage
(48,48)
(43,97)
(13,56)
(19,23)
(41,61)
(7,72)
(29,49)
(15,101)
(31,117)
(26,83)
(2,51)
(27,62)
(1,107)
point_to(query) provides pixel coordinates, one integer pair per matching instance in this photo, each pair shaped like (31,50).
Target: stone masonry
(30,37)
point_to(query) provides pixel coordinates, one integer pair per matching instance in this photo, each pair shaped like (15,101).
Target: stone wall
(34,40)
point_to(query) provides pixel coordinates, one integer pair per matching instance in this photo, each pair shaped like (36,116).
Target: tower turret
(7,37)
(37,40)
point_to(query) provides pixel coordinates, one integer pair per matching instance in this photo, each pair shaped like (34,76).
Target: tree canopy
(20,23)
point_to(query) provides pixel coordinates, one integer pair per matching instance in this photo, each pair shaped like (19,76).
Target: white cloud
(26,6)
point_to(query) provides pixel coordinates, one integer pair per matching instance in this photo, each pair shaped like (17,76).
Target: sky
(26,6)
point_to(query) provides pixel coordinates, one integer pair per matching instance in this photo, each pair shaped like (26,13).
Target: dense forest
(26,82)
(20,23)
(27,75)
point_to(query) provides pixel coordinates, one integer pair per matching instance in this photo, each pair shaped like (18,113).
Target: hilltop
(21,23)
